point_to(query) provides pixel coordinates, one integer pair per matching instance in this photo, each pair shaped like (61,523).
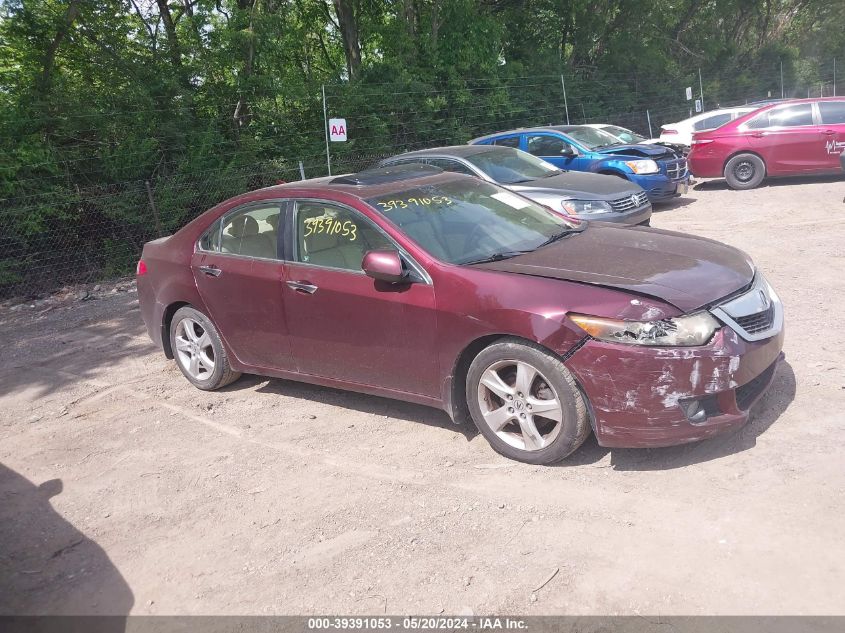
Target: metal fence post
(326,130)
(565,105)
(159,232)
(301,171)
(648,116)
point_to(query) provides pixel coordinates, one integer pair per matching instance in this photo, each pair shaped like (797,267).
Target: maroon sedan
(791,138)
(441,289)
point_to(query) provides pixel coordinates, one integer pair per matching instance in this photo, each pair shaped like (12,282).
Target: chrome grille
(754,315)
(629,202)
(756,323)
(677,169)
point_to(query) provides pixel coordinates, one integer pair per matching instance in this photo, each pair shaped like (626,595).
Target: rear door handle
(303,286)
(212,271)
(758,134)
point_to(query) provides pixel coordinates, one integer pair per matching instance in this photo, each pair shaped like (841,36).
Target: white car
(681,132)
(629,137)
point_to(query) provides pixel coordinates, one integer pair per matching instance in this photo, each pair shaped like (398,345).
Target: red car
(789,138)
(437,288)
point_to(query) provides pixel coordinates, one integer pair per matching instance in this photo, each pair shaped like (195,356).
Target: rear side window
(833,112)
(712,122)
(508,141)
(543,145)
(450,165)
(252,232)
(799,115)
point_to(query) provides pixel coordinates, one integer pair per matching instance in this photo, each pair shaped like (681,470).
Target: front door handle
(829,132)
(758,134)
(212,271)
(303,286)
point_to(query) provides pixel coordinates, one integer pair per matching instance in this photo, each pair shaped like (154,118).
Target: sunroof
(382,175)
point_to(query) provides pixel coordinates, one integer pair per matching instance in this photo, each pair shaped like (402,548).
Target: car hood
(686,271)
(655,152)
(579,184)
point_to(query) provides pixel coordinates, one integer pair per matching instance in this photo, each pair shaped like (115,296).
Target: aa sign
(337,129)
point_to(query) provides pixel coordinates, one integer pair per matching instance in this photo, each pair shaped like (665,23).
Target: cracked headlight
(684,331)
(646,166)
(585,207)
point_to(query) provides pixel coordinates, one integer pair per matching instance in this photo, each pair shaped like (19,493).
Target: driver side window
(335,237)
(542,145)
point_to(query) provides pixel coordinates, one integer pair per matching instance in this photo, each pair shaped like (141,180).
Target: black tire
(222,373)
(645,223)
(745,171)
(574,423)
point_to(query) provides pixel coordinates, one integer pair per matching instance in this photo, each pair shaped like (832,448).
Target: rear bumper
(628,218)
(704,162)
(639,396)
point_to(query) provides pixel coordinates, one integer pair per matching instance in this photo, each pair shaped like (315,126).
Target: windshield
(509,166)
(467,220)
(626,136)
(592,138)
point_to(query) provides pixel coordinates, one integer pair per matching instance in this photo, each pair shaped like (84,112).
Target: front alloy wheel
(519,406)
(525,402)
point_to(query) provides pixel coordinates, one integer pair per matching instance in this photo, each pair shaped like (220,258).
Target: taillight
(668,130)
(701,141)
(141,269)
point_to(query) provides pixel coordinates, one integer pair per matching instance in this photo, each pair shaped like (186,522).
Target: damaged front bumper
(649,397)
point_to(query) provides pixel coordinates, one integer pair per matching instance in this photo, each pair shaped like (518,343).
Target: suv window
(447,164)
(712,122)
(787,116)
(508,141)
(543,145)
(833,112)
(334,237)
(252,232)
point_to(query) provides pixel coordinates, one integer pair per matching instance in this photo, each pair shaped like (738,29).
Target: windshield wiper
(553,173)
(496,257)
(559,236)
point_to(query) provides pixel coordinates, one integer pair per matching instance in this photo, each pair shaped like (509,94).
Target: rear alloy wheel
(198,350)
(745,171)
(526,403)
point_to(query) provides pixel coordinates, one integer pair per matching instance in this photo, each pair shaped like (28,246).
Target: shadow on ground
(363,403)
(785,181)
(671,205)
(47,566)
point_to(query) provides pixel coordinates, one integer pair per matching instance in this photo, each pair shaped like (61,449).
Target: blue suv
(660,171)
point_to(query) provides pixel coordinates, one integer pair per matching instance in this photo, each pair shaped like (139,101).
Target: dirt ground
(124,489)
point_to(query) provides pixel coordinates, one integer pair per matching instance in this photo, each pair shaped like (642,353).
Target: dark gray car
(585,195)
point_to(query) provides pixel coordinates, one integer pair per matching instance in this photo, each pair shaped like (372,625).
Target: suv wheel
(198,350)
(526,403)
(745,171)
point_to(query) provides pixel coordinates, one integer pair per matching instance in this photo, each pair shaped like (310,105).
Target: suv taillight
(141,269)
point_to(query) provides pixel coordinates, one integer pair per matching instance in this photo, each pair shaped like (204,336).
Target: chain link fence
(63,229)
(91,234)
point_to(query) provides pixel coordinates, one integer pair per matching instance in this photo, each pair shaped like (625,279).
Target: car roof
(523,130)
(363,184)
(461,151)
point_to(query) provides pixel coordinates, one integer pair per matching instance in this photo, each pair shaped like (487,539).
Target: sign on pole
(689,93)
(698,105)
(337,129)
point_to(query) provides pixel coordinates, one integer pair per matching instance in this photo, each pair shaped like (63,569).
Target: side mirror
(384,265)
(569,151)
